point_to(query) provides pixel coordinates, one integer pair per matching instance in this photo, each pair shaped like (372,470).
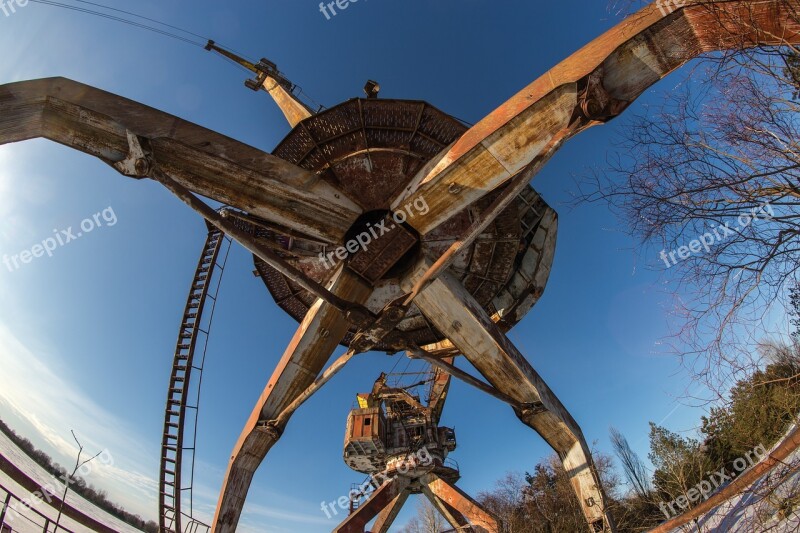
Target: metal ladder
(193,333)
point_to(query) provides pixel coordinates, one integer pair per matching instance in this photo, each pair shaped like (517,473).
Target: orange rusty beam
(590,87)
(205,162)
(389,514)
(435,488)
(454,312)
(450,513)
(316,339)
(383,497)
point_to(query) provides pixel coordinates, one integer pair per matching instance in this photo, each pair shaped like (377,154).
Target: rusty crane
(399,443)
(451,281)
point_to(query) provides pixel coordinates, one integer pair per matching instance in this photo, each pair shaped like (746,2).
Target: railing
(13,510)
(451,463)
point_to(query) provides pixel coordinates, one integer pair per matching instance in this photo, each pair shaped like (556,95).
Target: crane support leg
(387,517)
(311,347)
(456,502)
(450,513)
(383,497)
(454,311)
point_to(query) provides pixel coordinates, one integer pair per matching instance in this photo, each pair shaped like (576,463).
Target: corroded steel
(303,360)
(172,483)
(485,263)
(611,72)
(439,490)
(376,155)
(383,496)
(205,162)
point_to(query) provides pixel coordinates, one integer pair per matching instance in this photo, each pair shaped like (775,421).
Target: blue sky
(86,337)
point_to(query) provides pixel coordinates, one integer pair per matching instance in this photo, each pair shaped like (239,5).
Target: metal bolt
(142,166)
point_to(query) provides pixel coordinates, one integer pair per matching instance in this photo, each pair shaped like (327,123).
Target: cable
(142,17)
(118,19)
(153,29)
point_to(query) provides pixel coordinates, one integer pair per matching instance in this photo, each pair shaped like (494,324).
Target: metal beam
(454,312)
(450,513)
(292,108)
(447,367)
(205,162)
(354,312)
(383,497)
(316,339)
(389,514)
(592,86)
(435,488)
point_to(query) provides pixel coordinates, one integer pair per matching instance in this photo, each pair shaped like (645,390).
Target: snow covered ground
(22,519)
(771,504)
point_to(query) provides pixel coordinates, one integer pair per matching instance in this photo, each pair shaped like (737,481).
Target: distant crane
(399,443)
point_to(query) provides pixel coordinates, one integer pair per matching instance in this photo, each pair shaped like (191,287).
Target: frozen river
(19,523)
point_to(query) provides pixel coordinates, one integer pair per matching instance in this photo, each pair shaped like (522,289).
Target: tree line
(97,497)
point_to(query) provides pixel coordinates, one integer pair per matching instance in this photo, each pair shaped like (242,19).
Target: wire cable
(118,19)
(142,17)
(153,29)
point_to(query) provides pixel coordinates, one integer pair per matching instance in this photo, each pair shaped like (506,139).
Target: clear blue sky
(86,337)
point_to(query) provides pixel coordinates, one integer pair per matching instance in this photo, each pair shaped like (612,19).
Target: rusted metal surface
(391,426)
(383,497)
(303,360)
(389,514)
(486,262)
(205,162)
(456,520)
(374,260)
(590,87)
(382,155)
(440,388)
(437,489)
(172,486)
(453,310)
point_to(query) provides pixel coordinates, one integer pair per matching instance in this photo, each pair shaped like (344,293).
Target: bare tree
(71,478)
(632,466)
(708,182)
(428,519)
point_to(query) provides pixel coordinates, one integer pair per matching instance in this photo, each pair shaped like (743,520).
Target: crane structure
(464,246)
(398,442)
